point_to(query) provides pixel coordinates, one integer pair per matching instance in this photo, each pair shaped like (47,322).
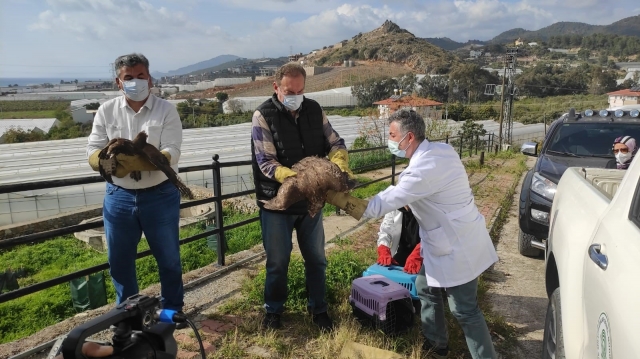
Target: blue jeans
(463,303)
(156,212)
(277,230)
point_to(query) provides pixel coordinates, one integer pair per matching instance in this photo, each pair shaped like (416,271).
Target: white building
(624,97)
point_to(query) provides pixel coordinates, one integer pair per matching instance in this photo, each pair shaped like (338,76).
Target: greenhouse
(338,97)
(49,160)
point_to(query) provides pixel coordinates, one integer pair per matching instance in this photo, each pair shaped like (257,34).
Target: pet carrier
(381,303)
(396,274)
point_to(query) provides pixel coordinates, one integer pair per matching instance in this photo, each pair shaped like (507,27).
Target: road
(520,295)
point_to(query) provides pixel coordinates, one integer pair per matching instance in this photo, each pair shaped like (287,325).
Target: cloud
(176,33)
(119,20)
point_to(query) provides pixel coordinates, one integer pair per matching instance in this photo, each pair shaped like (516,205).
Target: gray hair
(409,121)
(130,60)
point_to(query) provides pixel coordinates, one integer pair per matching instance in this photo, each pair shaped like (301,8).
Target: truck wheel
(553,341)
(524,245)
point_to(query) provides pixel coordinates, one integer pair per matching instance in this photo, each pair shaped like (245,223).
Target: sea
(29,81)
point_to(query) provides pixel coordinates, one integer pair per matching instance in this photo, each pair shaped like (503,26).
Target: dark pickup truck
(574,140)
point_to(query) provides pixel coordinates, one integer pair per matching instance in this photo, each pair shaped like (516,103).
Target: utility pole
(504,75)
(510,69)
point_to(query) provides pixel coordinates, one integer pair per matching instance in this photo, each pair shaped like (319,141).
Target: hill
(629,26)
(197,66)
(448,44)
(242,62)
(388,43)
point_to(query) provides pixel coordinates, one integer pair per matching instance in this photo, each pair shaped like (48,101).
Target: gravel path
(520,297)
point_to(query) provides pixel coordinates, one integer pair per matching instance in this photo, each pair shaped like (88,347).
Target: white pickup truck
(592,262)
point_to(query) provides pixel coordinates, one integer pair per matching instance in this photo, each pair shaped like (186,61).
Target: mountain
(448,44)
(197,66)
(388,43)
(629,26)
(256,63)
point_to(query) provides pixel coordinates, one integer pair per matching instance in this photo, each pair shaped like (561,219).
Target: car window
(590,139)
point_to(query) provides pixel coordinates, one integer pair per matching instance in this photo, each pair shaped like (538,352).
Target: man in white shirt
(455,243)
(152,204)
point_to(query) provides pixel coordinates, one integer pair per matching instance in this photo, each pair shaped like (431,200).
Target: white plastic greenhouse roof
(45,124)
(48,160)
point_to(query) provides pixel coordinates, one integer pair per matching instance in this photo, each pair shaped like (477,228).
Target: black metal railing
(485,143)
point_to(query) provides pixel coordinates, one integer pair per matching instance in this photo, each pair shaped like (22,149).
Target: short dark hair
(290,69)
(409,121)
(130,60)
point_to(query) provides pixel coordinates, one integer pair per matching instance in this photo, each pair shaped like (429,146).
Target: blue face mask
(394,147)
(136,89)
(292,102)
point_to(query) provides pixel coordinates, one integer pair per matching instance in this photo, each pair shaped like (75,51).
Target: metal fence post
(446,139)
(393,170)
(460,147)
(217,193)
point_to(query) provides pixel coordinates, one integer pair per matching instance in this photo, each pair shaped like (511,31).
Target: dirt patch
(519,295)
(337,77)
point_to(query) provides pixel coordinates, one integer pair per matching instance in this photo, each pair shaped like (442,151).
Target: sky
(80,38)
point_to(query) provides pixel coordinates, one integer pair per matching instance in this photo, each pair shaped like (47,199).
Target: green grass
(24,316)
(27,114)
(30,105)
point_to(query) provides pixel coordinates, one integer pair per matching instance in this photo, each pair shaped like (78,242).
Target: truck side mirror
(529,149)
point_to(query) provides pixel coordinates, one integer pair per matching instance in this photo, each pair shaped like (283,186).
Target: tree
(222,96)
(486,112)
(235,106)
(373,90)
(435,88)
(467,81)
(470,131)
(19,135)
(459,112)
(75,81)
(584,54)
(602,82)
(407,83)
(92,106)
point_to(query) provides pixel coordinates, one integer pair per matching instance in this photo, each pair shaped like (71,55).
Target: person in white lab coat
(399,241)
(455,243)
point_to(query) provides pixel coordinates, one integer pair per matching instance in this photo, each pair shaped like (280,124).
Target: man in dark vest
(285,129)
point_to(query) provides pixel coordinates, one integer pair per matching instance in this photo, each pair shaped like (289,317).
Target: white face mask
(292,102)
(136,89)
(623,157)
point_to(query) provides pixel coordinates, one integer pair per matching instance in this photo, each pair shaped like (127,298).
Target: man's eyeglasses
(623,150)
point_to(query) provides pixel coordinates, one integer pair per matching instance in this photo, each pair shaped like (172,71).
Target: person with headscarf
(624,148)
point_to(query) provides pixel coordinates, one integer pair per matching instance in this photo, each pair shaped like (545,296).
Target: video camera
(141,330)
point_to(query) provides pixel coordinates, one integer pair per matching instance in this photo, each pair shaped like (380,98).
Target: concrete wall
(49,223)
(315,70)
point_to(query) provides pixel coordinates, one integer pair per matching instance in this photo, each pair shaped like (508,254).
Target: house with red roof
(425,107)
(624,97)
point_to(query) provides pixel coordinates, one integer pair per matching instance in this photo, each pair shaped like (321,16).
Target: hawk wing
(107,162)
(156,158)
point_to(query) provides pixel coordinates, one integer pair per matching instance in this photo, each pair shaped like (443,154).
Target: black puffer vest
(409,237)
(293,142)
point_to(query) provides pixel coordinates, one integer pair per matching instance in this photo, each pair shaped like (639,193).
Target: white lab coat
(455,243)
(390,231)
